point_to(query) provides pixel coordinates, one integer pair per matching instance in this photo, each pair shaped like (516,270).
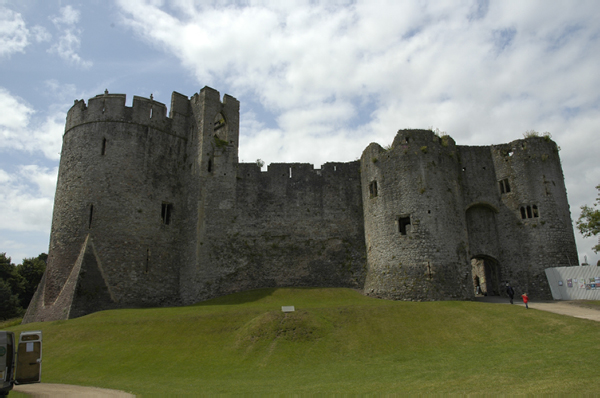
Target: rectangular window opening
(91,216)
(166,211)
(103,147)
(531,211)
(373,189)
(504,186)
(147,259)
(403,222)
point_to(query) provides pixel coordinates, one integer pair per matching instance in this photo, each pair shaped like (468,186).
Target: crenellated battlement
(297,171)
(144,111)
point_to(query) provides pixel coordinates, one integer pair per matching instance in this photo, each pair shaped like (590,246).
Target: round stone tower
(534,221)
(415,229)
(118,199)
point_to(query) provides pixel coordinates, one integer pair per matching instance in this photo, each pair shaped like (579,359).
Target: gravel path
(65,390)
(576,309)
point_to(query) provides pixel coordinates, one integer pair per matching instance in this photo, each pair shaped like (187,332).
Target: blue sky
(317,81)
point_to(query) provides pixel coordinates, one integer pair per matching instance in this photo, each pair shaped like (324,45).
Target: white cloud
(26,198)
(19,131)
(69,39)
(302,57)
(337,77)
(40,34)
(13,32)
(14,113)
(68,16)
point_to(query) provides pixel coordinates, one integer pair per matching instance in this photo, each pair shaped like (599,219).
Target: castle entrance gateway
(486,273)
(483,246)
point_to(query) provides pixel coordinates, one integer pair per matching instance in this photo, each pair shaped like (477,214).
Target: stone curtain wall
(153,210)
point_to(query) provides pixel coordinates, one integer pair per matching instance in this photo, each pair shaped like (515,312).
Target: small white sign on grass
(288,308)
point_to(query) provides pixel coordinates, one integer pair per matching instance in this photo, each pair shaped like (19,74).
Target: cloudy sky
(317,81)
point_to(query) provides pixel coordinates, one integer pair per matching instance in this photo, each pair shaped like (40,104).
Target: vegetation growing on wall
(220,143)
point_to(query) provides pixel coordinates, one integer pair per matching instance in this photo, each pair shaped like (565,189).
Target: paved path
(69,391)
(570,308)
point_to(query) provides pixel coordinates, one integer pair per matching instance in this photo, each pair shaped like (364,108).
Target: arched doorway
(486,273)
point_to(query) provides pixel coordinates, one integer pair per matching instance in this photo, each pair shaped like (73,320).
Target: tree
(9,302)
(9,274)
(19,283)
(589,220)
(31,270)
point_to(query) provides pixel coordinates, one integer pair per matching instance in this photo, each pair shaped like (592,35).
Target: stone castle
(153,210)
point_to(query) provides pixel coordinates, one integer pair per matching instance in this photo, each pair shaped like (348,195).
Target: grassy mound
(337,341)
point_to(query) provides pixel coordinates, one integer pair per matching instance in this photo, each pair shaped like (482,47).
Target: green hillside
(337,341)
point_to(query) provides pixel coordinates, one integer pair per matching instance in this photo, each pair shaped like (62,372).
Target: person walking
(510,291)
(525,300)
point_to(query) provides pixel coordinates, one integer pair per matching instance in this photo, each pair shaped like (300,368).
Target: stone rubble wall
(155,210)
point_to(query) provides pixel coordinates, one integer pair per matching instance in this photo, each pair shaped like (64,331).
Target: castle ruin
(153,210)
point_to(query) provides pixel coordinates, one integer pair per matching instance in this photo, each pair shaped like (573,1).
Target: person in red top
(525,300)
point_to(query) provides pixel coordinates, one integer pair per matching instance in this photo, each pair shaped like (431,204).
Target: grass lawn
(337,341)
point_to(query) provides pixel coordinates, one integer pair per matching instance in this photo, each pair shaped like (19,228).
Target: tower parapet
(144,111)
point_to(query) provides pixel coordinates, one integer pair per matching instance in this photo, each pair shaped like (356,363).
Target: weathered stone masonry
(153,210)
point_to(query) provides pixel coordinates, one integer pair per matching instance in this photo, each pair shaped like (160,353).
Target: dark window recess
(219,122)
(504,186)
(402,223)
(91,216)
(103,147)
(529,212)
(209,165)
(147,259)
(166,212)
(373,189)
